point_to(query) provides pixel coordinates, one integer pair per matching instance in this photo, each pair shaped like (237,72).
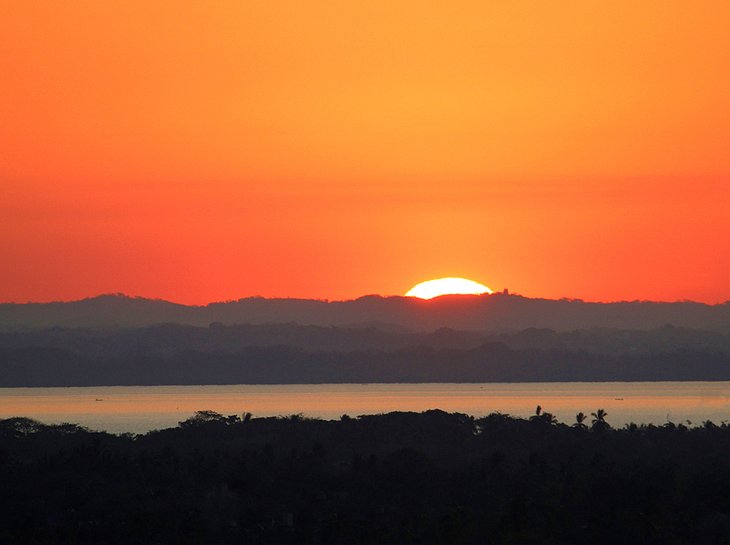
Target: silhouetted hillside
(497,312)
(428,478)
(166,339)
(294,354)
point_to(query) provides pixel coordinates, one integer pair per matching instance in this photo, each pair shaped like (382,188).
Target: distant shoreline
(501,382)
(142,408)
(291,353)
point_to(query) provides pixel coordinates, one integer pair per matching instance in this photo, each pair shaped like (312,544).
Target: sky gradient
(201,152)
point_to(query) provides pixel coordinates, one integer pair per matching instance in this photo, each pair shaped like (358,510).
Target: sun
(447,286)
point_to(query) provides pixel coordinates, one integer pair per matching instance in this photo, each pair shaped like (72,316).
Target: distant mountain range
(291,353)
(496,312)
(120,340)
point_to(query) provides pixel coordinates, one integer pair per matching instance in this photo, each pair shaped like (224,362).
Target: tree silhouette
(206,417)
(363,480)
(543,417)
(20,426)
(598,423)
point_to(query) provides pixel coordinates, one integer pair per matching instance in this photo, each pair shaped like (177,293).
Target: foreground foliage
(431,478)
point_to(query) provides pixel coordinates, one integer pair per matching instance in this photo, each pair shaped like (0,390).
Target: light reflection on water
(139,409)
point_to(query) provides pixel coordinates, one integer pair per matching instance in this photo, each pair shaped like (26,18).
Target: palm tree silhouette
(598,423)
(543,417)
(579,419)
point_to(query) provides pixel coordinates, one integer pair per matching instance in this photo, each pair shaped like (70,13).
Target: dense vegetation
(291,353)
(431,478)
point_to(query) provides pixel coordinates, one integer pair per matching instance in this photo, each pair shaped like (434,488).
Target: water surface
(139,409)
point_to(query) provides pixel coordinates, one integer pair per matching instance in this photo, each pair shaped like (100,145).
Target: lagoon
(138,409)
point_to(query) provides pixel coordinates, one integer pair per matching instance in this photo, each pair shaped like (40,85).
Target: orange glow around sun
(447,286)
(205,151)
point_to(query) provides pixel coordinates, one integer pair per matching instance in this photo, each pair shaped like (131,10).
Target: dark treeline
(166,339)
(291,353)
(402,478)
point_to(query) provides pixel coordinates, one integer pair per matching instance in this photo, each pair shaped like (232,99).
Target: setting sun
(447,286)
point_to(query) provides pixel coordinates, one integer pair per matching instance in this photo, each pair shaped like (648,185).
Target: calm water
(142,408)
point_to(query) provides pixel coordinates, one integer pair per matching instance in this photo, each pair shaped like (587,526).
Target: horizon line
(502,293)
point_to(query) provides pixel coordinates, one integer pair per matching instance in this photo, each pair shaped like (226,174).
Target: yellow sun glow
(447,286)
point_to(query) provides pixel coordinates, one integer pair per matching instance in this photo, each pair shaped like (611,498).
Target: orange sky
(200,151)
